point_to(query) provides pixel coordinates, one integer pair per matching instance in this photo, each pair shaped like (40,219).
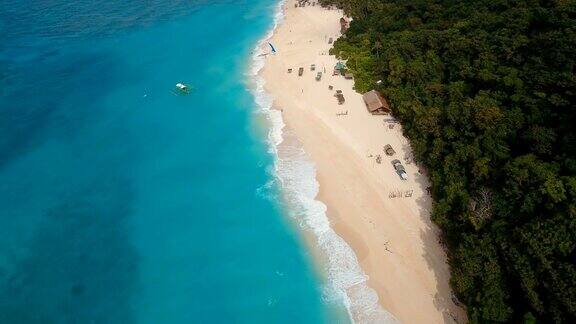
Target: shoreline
(392,241)
(296,174)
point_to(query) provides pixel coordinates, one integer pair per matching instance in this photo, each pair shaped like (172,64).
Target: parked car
(389,150)
(300,71)
(400,169)
(312,67)
(318,76)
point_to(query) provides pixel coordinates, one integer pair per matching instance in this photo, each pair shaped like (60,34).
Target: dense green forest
(486,93)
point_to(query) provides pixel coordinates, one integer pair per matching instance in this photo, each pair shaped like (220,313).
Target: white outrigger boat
(182,88)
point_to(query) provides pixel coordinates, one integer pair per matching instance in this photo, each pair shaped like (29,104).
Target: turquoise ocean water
(121,202)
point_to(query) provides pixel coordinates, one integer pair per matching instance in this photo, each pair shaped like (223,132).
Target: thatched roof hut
(376,104)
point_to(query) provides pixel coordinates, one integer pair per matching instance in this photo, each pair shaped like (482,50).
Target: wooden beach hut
(376,104)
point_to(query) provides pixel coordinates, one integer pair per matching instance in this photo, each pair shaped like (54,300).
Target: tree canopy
(486,93)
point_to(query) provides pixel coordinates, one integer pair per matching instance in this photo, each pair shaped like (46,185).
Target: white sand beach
(390,231)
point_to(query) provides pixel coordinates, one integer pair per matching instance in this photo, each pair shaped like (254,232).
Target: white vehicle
(400,169)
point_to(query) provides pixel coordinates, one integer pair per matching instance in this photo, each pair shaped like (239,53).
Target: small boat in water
(182,88)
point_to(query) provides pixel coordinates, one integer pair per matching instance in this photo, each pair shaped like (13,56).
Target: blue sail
(273,49)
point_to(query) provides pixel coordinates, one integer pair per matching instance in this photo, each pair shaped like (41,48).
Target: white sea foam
(296,174)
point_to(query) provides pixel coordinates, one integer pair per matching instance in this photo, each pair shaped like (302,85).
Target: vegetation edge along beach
(485,91)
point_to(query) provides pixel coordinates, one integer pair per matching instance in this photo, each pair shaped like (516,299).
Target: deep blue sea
(121,202)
